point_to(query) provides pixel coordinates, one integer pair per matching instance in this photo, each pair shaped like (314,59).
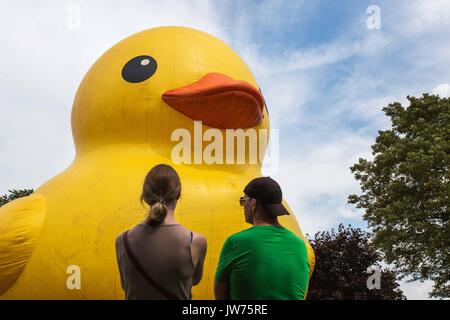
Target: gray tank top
(164,251)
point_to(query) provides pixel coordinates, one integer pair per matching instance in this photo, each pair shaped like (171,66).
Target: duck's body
(121,130)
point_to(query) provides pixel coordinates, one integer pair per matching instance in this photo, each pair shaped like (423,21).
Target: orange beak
(219,102)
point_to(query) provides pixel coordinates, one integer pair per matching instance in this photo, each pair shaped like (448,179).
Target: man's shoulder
(293,236)
(294,240)
(239,235)
(245,237)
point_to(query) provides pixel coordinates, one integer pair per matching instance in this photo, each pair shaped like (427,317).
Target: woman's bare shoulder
(199,240)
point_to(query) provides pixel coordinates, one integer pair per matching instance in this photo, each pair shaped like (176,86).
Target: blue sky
(324,74)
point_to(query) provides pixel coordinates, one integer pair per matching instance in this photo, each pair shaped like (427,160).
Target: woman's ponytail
(158,212)
(162,186)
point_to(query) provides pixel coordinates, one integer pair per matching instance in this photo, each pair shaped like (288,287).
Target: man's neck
(265,222)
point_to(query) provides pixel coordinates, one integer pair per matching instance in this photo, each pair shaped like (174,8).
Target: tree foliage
(342,259)
(14,194)
(405,190)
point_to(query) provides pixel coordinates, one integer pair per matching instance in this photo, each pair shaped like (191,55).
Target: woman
(159,258)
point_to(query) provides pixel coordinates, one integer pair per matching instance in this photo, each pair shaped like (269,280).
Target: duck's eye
(139,69)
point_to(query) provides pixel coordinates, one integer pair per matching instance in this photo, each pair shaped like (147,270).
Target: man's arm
(221,291)
(222,283)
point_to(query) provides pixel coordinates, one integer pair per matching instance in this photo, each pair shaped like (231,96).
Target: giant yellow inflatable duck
(124,115)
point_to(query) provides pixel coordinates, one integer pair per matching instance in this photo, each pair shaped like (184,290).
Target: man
(266,261)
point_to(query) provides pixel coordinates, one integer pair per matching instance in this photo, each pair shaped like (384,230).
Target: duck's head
(160,80)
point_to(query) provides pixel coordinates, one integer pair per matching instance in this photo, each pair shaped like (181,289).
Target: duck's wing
(20,225)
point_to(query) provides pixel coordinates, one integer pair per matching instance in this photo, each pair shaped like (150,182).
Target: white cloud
(329,53)
(416,290)
(443,90)
(423,16)
(316,180)
(349,212)
(243,21)
(320,55)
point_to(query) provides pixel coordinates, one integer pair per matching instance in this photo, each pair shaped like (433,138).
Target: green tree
(405,190)
(342,259)
(14,194)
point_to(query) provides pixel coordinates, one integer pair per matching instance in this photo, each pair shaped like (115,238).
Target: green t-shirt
(264,262)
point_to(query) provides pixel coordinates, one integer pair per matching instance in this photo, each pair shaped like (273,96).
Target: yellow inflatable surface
(59,243)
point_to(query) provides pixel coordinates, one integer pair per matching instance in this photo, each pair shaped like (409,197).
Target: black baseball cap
(268,192)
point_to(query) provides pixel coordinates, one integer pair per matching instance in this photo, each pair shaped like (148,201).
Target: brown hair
(161,186)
